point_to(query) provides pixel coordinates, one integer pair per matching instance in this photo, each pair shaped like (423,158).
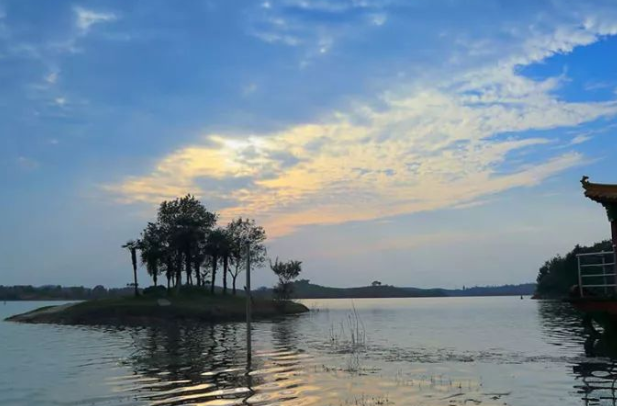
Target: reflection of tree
(597,371)
(284,334)
(598,378)
(561,323)
(189,363)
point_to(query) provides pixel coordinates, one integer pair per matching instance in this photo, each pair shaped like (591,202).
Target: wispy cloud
(581,138)
(86,18)
(52,77)
(293,23)
(427,151)
(27,163)
(425,144)
(60,101)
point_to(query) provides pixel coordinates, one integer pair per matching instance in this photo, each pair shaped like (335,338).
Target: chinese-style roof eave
(601,193)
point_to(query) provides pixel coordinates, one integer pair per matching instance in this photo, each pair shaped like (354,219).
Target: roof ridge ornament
(605,194)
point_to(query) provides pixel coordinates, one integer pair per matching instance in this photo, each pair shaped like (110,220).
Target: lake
(490,350)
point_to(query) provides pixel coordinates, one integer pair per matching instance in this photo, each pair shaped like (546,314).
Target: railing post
(604,274)
(249,300)
(614,242)
(580,278)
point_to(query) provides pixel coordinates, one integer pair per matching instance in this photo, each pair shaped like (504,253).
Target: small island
(186,241)
(149,310)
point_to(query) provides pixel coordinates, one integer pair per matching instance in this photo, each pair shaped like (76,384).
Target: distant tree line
(558,275)
(56,292)
(305,289)
(185,246)
(493,290)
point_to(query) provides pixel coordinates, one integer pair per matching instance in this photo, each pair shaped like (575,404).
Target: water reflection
(418,351)
(210,364)
(596,372)
(189,363)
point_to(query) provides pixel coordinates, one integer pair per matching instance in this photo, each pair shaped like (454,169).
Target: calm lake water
(354,352)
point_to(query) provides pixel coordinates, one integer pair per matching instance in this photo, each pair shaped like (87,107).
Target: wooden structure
(606,195)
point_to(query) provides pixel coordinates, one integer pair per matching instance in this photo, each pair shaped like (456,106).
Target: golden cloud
(430,151)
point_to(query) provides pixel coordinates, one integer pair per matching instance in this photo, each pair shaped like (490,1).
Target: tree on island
(216,243)
(132,246)
(185,240)
(376,283)
(243,232)
(185,222)
(286,272)
(152,249)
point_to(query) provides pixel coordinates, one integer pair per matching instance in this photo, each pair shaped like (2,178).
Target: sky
(427,143)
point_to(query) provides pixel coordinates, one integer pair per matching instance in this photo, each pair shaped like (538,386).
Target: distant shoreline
(302,289)
(306,290)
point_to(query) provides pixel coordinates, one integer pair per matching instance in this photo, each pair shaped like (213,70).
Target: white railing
(596,274)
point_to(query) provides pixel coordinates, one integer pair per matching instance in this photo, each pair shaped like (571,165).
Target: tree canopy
(559,274)
(185,241)
(286,273)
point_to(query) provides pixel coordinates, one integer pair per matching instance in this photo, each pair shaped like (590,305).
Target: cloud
(249,89)
(379,19)
(52,77)
(452,140)
(298,23)
(581,138)
(428,151)
(27,164)
(84,18)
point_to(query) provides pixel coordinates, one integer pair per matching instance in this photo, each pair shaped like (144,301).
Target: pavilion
(605,194)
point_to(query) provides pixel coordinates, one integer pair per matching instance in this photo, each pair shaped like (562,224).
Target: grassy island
(147,310)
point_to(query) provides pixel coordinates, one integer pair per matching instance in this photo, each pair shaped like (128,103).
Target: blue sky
(423,143)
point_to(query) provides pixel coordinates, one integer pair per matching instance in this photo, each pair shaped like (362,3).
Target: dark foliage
(559,274)
(184,241)
(286,272)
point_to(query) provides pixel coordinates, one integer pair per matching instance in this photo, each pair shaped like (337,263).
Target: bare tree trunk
(197,273)
(179,271)
(225,266)
(169,272)
(233,283)
(214,261)
(134,260)
(188,263)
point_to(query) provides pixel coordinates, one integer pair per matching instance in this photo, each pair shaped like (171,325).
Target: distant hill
(509,289)
(304,289)
(56,292)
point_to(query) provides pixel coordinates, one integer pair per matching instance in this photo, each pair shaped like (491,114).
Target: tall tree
(185,222)
(214,248)
(242,231)
(151,246)
(199,257)
(226,253)
(132,246)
